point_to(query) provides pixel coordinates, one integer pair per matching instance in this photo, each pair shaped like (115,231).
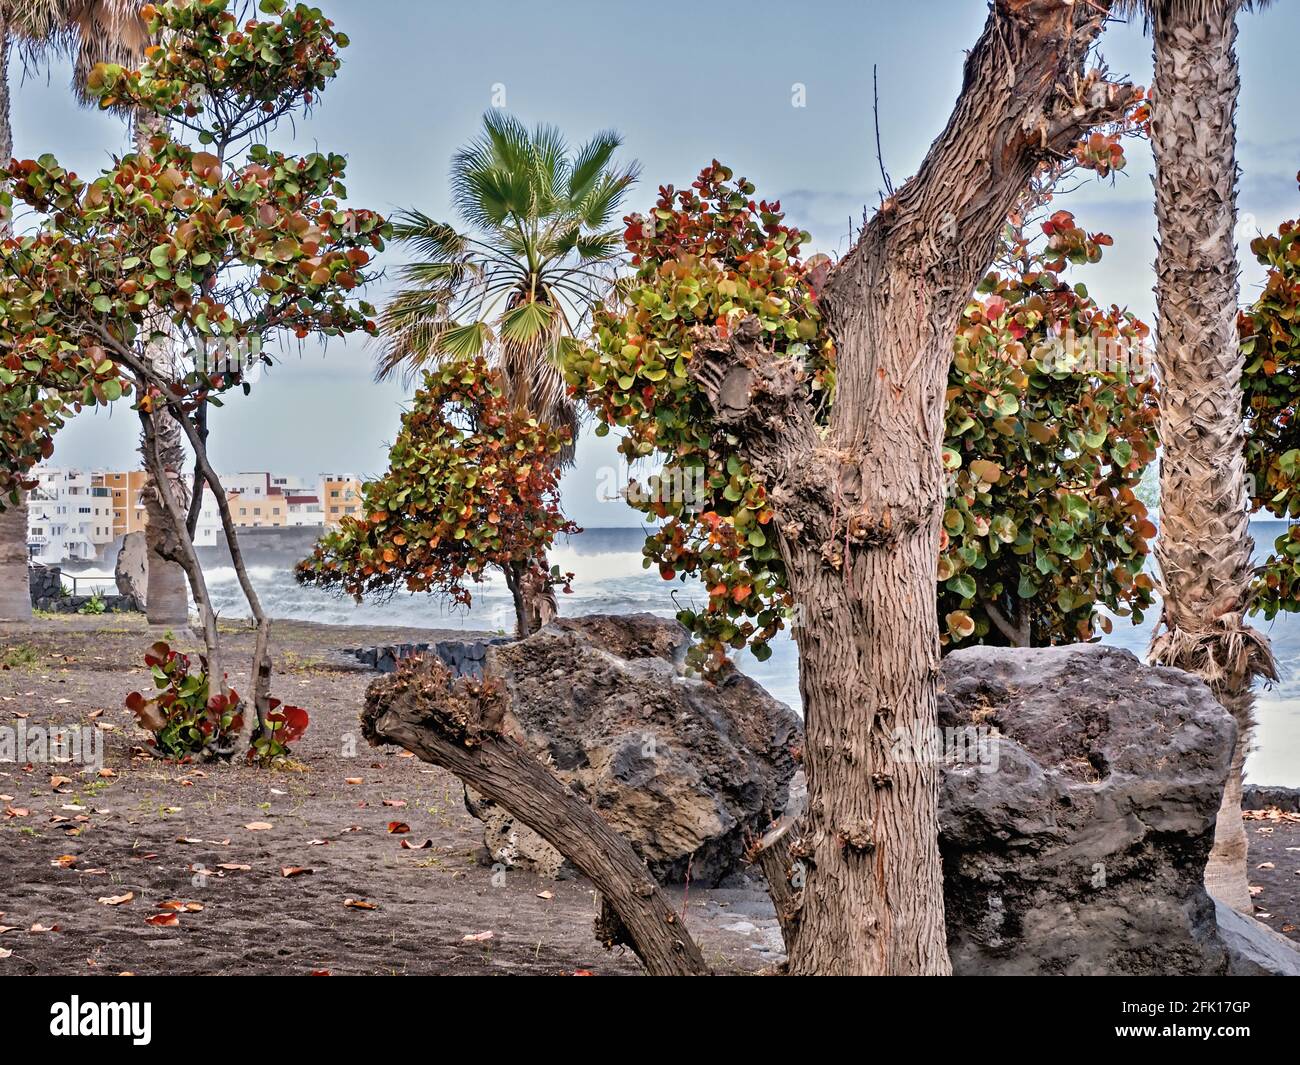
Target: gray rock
(1253,948)
(131,571)
(1082,851)
(1262,797)
(688,771)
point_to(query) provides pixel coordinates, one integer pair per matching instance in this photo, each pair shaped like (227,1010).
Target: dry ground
(167,832)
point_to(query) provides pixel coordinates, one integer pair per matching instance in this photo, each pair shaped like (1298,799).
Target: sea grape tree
(228,243)
(849,499)
(1050,424)
(1269,332)
(472,485)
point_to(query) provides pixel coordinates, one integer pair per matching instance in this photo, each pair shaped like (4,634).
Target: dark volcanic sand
(258,921)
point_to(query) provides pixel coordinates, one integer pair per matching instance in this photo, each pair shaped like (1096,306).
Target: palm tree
(520,278)
(30,25)
(1204,544)
(92,32)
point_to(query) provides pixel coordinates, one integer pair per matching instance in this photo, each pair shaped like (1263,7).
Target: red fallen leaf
(407,845)
(295,870)
(65,861)
(320,972)
(359,904)
(398,827)
(38,927)
(57,782)
(583,972)
(179,906)
(163,920)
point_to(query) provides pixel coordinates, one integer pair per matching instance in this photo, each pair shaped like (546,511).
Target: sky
(683,86)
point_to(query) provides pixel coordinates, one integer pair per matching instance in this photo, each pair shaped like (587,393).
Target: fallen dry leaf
(407,845)
(38,927)
(259,826)
(57,782)
(116,900)
(5,953)
(353,780)
(399,803)
(163,920)
(398,827)
(1265,865)
(546,894)
(295,870)
(359,904)
(477,937)
(65,861)
(107,774)
(235,866)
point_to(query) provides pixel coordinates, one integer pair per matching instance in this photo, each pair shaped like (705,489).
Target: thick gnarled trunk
(857,507)
(1204,545)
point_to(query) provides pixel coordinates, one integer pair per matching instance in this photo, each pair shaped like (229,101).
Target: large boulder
(688,771)
(131,571)
(1075,843)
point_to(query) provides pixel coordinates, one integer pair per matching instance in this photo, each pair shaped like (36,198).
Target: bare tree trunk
(178,545)
(460,728)
(1204,545)
(857,508)
(533,597)
(166,601)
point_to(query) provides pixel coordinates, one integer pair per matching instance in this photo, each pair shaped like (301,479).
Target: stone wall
(48,594)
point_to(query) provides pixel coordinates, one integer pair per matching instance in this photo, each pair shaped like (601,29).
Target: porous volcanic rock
(689,772)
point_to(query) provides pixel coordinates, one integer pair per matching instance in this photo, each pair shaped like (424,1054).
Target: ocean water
(611,580)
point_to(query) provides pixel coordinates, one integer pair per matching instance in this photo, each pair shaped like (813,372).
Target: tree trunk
(166,599)
(461,727)
(857,507)
(1203,547)
(533,596)
(15,587)
(15,581)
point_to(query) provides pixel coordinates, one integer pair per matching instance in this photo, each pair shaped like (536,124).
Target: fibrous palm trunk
(15,589)
(1204,546)
(15,586)
(166,595)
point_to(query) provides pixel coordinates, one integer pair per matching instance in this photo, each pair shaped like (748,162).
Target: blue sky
(683,85)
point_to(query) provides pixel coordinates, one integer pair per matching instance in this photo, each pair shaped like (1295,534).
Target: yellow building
(128,510)
(340,495)
(271,511)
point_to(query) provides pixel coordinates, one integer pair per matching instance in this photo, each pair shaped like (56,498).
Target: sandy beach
(169,833)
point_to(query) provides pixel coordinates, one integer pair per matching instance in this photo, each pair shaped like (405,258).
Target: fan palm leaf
(520,275)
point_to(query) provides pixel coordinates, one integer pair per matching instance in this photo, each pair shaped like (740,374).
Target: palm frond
(1152,10)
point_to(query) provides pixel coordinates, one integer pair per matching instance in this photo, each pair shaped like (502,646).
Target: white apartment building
(68,517)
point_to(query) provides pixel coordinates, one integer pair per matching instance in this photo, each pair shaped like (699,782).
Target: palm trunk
(15,586)
(1204,545)
(15,583)
(166,597)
